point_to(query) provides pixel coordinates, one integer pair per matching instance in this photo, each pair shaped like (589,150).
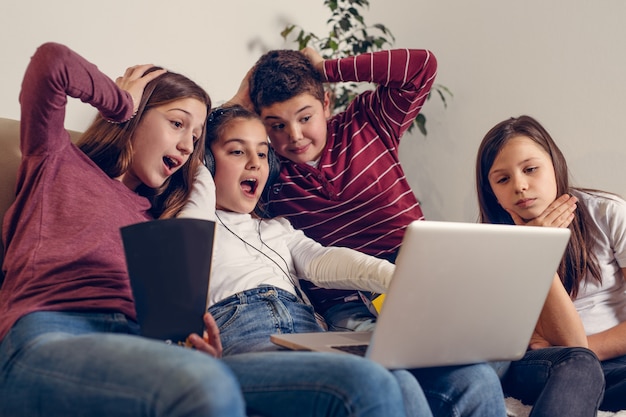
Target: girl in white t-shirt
(522,178)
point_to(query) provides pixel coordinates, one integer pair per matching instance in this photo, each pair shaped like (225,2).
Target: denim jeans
(470,390)
(86,364)
(316,384)
(615,379)
(350,316)
(451,391)
(317,381)
(247,319)
(558,381)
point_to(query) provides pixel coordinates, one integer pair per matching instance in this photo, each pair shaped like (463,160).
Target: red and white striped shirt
(358,196)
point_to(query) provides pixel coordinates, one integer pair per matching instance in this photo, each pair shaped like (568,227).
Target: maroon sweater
(62,238)
(359,197)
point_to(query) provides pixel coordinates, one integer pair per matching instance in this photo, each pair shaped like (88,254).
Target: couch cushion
(9,161)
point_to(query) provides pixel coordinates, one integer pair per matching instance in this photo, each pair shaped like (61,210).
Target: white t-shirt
(604,306)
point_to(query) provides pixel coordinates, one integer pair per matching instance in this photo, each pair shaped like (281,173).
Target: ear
(326,104)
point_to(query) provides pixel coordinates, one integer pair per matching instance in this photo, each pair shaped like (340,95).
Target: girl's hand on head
(315,58)
(211,342)
(560,213)
(134,81)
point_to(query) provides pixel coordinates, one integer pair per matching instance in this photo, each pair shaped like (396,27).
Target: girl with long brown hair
(522,178)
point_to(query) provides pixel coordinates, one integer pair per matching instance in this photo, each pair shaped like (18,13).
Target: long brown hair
(579,258)
(109,145)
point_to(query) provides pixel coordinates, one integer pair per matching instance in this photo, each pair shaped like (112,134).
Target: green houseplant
(348,35)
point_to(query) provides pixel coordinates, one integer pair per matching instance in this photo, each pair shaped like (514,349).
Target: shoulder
(600,201)
(281,227)
(607,211)
(280,223)
(201,202)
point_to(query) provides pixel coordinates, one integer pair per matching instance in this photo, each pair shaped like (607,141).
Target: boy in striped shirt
(341,181)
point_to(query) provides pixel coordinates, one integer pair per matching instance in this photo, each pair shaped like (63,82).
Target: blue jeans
(557,381)
(87,364)
(350,316)
(470,390)
(247,319)
(615,379)
(316,384)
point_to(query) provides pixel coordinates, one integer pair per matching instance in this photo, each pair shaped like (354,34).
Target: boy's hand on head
(315,58)
(135,80)
(211,342)
(242,96)
(560,213)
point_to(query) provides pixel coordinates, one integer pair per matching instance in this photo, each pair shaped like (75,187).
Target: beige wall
(560,61)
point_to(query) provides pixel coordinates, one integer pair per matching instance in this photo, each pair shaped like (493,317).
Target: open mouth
(170,162)
(249,186)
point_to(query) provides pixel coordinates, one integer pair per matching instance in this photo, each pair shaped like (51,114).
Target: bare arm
(559,323)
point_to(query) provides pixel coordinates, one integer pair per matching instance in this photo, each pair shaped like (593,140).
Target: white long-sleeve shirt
(250,252)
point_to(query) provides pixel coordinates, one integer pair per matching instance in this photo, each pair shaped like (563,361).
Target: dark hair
(221,117)
(109,145)
(579,257)
(282,74)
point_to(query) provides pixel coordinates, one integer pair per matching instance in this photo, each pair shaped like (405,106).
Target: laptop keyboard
(354,349)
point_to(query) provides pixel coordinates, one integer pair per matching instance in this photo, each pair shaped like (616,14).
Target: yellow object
(378,302)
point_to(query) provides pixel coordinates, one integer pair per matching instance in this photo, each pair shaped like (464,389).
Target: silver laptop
(461,293)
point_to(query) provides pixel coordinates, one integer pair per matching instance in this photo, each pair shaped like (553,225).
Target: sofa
(9,161)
